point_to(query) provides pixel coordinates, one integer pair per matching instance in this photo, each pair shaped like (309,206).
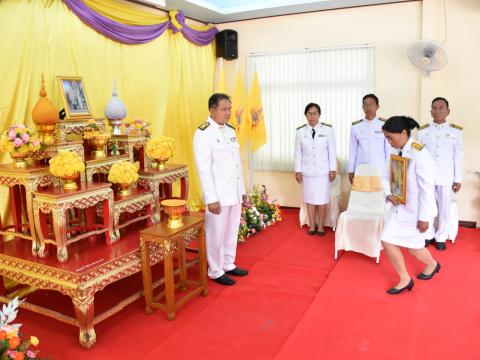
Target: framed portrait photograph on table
(398,177)
(74,97)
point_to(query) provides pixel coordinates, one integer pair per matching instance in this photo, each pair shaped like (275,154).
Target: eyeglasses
(312,113)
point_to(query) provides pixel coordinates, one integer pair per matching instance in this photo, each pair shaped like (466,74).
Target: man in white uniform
(367,143)
(445,142)
(219,167)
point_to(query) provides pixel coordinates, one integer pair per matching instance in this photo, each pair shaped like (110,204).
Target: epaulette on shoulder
(204,125)
(357,122)
(230,126)
(458,127)
(424,126)
(417,146)
(301,126)
(326,124)
(382,119)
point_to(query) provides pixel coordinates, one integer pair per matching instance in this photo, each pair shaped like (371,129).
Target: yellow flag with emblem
(255,116)
(239,110)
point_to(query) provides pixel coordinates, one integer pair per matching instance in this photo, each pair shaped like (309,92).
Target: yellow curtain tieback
(367,183)
(173,19)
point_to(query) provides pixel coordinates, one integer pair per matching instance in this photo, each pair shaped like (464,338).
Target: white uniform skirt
(316,190)
(402,233)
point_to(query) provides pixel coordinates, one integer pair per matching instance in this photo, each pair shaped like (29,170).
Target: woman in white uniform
(315,165)
(406,223)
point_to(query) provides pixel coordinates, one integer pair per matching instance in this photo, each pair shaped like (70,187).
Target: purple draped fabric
(132,34)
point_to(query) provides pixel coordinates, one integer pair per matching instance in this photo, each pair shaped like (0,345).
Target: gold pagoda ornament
(45,116)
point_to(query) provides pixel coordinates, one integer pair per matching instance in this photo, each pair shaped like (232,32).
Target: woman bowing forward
(406,223)
(315,165)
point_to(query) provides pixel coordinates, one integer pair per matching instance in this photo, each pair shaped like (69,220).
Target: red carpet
(297,303)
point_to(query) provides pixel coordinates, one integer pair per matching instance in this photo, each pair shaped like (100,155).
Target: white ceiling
(220,11)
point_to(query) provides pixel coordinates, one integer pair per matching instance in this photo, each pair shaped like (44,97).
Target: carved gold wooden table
(77,127)
(134,146)
(22,182)
(138,200)
(58,200)
(170,242)
(82,278)
(101,165)
(155,180)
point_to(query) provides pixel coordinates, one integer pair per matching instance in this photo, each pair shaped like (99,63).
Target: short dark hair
(442,99)
(216,98)
(396,124)
(371,96)
(312,105)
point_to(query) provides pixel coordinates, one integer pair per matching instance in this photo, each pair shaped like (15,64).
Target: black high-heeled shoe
(395,291)
(423,276)
(312,232)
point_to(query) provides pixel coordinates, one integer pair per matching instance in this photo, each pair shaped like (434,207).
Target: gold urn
(19,159)
(70,181)
(45,116)
(98,142)
(174,208)
(124,189)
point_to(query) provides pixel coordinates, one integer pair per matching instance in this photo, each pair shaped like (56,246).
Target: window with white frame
(336,79)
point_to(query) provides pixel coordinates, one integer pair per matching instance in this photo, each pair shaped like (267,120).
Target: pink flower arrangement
(258,212)
(19,139)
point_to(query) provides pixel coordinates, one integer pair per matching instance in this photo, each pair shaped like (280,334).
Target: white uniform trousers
(443,195)
(221,232)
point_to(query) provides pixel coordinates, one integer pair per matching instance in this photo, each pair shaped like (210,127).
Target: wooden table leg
(184,187)
(169,286)
(83,302)
(60,230)
(108,220)
(41,225)
(31,221)
(202,261)
(182,265)
(146,275)
(16,207)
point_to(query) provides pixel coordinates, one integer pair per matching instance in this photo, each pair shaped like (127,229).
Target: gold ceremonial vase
(46,133)
(98,142)
(70,181)
(161,163)
(124,189)
(174,208)
(19,159)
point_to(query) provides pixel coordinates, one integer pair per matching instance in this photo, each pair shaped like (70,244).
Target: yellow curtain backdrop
(166,82)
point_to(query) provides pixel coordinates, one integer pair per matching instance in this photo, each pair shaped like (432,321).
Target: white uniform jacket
(445,142)
(315,157)
(217,155)
(421,204)
(368,144)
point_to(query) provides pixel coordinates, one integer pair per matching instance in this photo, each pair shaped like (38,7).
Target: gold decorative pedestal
(124,189)
(19,160)
(70,182)
(174,208)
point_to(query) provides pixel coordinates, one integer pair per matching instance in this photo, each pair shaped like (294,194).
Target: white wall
(399,85)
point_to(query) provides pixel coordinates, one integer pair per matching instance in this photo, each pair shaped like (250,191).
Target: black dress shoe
(312,232)
(429,241)
(423,276)
(224,280)
(321,233)
(237,272)
(441,246)
(395,291)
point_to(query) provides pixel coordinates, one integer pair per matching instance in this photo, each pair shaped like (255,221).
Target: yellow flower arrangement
(93,131)
(123,172)
(66,163)
(161,148)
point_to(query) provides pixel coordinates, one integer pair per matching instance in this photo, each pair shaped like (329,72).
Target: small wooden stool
(171,241)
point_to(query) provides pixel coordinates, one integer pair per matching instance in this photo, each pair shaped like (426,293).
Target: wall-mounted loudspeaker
(227,44)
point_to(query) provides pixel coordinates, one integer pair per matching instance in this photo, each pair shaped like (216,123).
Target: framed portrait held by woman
(398,177)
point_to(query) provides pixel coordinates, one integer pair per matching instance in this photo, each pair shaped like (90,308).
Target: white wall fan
(427,55)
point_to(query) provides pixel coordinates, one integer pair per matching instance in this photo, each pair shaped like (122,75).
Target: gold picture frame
(398,177)
(74,97)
